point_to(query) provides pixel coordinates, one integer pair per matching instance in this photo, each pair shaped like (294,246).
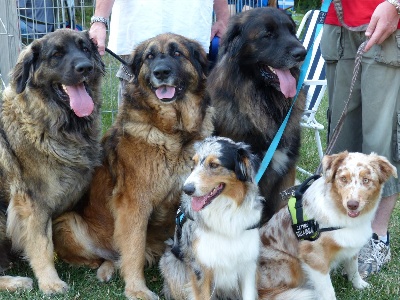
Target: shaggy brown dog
(130,210)
(49,142)
(251,88)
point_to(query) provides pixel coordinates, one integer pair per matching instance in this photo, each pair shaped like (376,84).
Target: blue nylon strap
(274,144)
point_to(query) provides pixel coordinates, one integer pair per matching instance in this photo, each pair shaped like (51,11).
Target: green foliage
(305,5)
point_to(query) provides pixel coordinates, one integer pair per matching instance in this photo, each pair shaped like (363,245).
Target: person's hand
(98,35)
(383,23)
(218,29)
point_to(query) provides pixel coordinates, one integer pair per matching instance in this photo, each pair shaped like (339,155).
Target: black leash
(116,56)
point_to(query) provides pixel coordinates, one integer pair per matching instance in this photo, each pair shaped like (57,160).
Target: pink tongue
(198,202)
(287,83)
(165,92)
(80,101)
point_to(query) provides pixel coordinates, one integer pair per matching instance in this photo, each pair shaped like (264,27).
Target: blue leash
(274,144)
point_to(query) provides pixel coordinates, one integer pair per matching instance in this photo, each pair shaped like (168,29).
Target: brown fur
(129,211)
(47,152)
(299,269)
(249,104)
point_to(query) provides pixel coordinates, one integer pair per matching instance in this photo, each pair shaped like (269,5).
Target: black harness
(303,228)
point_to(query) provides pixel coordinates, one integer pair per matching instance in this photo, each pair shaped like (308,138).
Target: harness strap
(304,228)
(329,229)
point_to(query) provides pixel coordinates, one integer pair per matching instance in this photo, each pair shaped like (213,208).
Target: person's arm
(98,30)
(222,17)
(383,23)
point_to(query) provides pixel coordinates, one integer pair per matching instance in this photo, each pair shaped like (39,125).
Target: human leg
(381,112)
(339,47)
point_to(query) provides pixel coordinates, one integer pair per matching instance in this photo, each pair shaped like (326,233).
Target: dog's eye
(343,179)
(365,180)
(149,56)
(177,53)
(57,54)
(213,165)
(268,35)
(85,49)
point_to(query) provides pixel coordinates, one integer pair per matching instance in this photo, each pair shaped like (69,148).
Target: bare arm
(98,31)
(222,17)
(383,23)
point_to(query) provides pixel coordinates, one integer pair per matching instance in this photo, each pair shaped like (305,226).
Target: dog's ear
(95,53)
(330,164)
(199,58)
(383,167)
(135,61)
(26,65)
(245,163)
(231,42)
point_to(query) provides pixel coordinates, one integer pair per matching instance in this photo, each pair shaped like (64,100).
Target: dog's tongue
(287,82)
(165,92)
(80,101)
(198,202)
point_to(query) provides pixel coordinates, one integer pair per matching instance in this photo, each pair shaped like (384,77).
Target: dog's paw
(105,271)
(13,283)
(141,295)
(360,284)
(53,287)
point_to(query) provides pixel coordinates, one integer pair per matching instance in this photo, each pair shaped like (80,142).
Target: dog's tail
(174,273)
(286,294)
(74,243)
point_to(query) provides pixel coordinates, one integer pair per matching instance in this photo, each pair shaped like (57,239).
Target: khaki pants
(372,123)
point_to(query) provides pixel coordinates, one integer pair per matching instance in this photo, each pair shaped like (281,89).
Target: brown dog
(130,209)
(343,202)
(49,142)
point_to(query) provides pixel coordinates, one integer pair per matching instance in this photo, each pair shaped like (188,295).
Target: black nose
(299,53)
(189,189)
(352,204)
(161,72)
(84,67)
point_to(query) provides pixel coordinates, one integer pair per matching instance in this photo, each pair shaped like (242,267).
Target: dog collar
(303,228)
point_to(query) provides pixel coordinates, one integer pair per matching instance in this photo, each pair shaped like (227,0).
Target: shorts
(372,123)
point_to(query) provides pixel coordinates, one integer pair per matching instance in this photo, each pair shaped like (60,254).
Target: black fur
(249,104)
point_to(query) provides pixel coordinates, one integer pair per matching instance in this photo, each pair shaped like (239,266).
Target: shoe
(373,256)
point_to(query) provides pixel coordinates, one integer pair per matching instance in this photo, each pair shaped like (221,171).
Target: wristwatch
(95,19)
(396,4)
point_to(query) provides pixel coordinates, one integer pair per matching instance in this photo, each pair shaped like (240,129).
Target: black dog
(251,88)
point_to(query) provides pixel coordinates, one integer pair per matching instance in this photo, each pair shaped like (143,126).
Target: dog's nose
(84,67)
(189,189)
(352,204)
(299,54)
(162,72)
